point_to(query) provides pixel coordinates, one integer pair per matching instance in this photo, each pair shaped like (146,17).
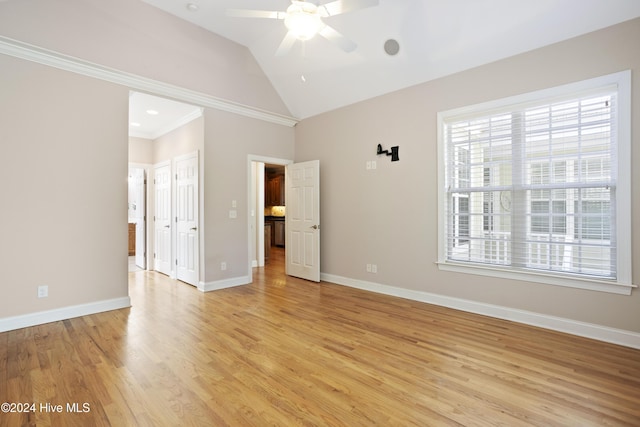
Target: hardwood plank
(283,351)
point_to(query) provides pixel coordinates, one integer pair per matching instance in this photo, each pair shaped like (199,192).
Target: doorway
(302,225)
(167,136)
(267,206)
(137,207)
(274,212)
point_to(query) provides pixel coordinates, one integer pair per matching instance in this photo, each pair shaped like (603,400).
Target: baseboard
(42,317)
(574,327)
(223,284)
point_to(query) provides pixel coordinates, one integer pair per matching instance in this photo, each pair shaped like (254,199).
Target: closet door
(162,218)
(187,237)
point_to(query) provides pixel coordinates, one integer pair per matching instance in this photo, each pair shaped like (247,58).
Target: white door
(162,218)
(187,245)
(139,213)
(302,221)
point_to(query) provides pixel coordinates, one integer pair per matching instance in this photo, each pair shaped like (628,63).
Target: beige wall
(183,140)
(135,37)
(68,135)
(229,140)
(140,150)
(389,216)
(63,145)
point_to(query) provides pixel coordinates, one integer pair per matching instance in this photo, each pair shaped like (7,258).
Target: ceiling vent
(392,47)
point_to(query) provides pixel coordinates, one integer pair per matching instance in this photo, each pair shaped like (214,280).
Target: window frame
(623,282)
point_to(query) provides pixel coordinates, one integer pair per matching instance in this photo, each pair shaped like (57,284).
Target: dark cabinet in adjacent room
(274,191)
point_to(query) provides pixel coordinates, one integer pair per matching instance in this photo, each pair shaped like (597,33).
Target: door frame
(253,212)
(148,231)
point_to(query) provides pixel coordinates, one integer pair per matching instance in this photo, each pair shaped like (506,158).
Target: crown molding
(61,61)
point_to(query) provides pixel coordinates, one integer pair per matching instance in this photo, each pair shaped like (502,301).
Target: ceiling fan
(303,20)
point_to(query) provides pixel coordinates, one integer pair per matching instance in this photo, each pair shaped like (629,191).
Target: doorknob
(315,227)
(194,228)
(167,226)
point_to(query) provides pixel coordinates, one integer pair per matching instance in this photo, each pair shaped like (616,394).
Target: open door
(302,223)
(138,195)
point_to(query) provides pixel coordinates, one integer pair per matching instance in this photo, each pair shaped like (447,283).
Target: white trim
(621,79)
(58,60)
(560,324)
(148,229)
(623,184)
(531,276)
(55,315)
(623,284)
(259,209)
(216,285)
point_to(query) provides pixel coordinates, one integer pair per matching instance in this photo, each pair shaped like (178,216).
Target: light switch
(233,213)
(234,204)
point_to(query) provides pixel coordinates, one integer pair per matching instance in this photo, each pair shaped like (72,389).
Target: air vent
(392,47)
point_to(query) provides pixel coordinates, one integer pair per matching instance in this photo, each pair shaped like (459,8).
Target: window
(536,187)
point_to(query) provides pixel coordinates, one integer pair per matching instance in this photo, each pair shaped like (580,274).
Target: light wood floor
(284,351)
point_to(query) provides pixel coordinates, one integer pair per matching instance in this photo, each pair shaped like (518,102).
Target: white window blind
(533,186)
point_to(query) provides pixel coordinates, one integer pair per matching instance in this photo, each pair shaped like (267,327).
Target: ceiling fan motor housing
(303,20)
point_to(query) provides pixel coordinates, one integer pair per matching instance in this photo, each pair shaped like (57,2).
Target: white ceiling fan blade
(244,13)
(287,44)
(344,6)
(335,37)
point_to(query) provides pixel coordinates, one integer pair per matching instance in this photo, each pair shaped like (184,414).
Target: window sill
(609,286)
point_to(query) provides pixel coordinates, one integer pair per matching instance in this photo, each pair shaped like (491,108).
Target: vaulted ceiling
(435,38)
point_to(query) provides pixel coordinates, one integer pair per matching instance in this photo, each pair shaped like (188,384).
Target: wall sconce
(393,153)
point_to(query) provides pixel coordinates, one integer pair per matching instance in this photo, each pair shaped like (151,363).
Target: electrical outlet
(368,268)
(374,268)
(43,291)
(223,265)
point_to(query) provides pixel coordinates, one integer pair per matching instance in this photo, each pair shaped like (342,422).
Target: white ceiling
(436,38)
(170,115)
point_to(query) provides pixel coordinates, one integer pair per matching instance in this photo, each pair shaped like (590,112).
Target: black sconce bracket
(393,153)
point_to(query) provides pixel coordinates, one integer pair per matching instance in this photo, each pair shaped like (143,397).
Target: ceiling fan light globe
(303,20)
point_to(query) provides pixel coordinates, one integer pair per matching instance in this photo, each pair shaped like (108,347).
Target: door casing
(255,211)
